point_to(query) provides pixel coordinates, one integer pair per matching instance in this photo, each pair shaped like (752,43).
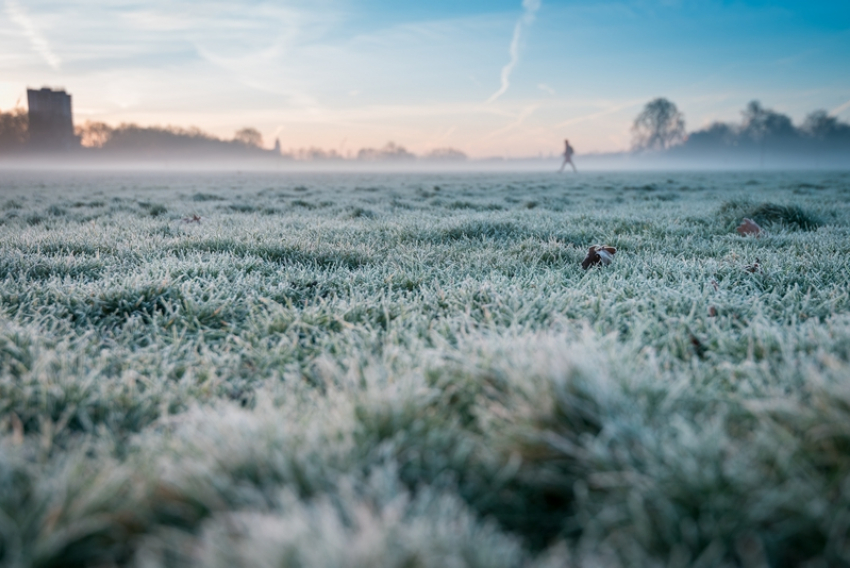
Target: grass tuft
(787,216)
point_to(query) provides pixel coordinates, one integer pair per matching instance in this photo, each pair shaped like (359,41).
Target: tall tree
(94,134)
(249,136)
(13,130)
(820,125)
(659,126)
(761,123)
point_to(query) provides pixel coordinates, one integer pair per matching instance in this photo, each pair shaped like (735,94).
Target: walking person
(568,157)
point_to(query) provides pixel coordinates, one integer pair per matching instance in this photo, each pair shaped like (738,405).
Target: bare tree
(659,126)
(94,134)
(249,137)
(13,130)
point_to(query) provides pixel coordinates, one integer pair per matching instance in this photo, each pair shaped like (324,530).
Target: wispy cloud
(611,109)
(520,118)
(839,109)
(37,40)
(546,88)
(252,70)
(530,8)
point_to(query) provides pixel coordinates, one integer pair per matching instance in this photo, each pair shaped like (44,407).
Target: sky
(494,78)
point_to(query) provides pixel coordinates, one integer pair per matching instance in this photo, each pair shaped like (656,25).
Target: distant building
(51,123)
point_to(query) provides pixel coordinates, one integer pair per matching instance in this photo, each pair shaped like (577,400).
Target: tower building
(51,123)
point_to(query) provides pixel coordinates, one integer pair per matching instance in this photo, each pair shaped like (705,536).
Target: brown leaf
(749,227)
(698,346)
(192,219)
(712,312)
(754,267)
(598,254)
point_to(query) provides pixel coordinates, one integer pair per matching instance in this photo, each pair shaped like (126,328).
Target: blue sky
(494,78)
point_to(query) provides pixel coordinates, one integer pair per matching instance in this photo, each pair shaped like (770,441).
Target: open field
(414,371)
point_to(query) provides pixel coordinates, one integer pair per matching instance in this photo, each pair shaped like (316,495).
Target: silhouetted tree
(717,135)
(761,123)
(445,155)
(317,154)
(659,126)
(821,126)
(94,134)
(391,151)
(821,139)
(13,130)
(249,137)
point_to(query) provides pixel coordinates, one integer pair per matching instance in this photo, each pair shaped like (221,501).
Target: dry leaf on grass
(749,227)
(192,219)
(699,348)
(754,267)
(598,254)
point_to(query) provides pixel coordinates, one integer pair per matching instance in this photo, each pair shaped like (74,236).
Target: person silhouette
(568,157)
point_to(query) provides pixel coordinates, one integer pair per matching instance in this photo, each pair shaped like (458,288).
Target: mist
(768,139)
(763,139)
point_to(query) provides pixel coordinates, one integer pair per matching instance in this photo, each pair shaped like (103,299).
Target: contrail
(523,114)
(839,109)
(606,112)
(530,7)
(37,41)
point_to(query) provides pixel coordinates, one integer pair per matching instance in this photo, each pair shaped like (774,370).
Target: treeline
(131,141)
(660,129)
(760,126)
(391,152)
(154,141)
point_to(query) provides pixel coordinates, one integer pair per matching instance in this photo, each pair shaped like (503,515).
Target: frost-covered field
(388,370)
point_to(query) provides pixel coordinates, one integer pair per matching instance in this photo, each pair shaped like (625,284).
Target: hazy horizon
(501,78)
